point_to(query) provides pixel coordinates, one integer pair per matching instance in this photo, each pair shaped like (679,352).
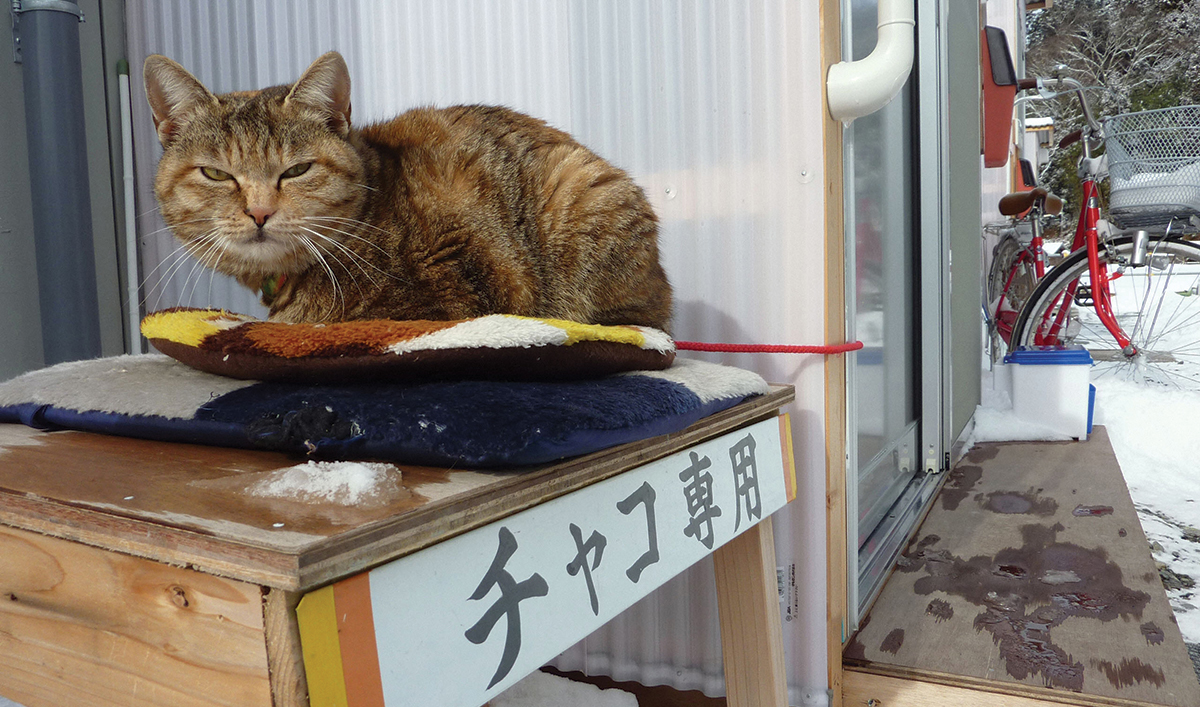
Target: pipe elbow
(858,88)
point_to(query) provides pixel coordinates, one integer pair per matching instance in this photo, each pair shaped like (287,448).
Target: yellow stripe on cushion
(577,332)
(319,644)
(190,326)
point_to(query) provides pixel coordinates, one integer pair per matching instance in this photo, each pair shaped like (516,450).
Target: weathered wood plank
(836,552)
(975,686)
(837,577)
(289,687)
(867,690)
(751,631)
(1032,570)
(81,626)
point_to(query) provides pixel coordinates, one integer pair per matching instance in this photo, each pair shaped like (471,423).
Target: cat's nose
(260,214)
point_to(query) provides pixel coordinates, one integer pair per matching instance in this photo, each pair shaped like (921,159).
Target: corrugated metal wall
(714,107)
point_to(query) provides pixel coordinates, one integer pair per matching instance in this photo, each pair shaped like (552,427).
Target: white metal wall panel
(714,107)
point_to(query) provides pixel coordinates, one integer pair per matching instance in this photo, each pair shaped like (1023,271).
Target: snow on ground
(1155,433)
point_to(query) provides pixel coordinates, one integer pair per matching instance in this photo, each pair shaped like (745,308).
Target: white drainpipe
(858,88)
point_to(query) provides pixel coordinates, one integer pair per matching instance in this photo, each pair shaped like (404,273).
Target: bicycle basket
(1154,166)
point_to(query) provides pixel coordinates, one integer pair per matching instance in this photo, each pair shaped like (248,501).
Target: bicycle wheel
(1013,279)
(1157,305)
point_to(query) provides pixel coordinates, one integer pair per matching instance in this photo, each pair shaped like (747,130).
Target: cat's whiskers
(212,273)
(337,260)
(170,275)
(348,234)
(364,186)
(355,258)
(200,252)
(350,221)
(338,294)
(157,231)
(167,258)
(330,255)
(199,248)
(198,269)
(149,211)
(182,247)
(188,248)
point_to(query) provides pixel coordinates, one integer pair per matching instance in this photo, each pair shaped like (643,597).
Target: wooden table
(142,573)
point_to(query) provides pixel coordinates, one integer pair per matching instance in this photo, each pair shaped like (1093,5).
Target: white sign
(457,623)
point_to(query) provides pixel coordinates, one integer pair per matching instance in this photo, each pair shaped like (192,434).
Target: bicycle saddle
(1021,201)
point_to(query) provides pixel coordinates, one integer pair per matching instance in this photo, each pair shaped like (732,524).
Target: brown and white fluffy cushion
(499,346)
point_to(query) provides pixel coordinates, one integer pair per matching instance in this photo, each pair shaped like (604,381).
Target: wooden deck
(1030,578)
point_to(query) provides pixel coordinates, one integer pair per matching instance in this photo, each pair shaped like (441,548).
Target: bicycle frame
(1033,253)
(1087,235)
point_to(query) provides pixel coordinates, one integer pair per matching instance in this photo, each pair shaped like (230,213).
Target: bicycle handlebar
(1070,138)
(1060,85)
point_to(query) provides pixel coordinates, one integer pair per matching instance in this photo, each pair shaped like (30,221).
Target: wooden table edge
(328,559)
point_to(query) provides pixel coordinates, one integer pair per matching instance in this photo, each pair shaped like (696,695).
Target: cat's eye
(296,170)
(215,174)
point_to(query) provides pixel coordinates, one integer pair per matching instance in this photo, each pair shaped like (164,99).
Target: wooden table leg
(284,656)
(751,632)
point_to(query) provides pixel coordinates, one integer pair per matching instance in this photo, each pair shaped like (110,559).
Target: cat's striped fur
(436,214)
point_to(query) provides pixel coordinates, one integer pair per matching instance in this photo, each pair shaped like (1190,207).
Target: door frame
(932,154)
(932,317)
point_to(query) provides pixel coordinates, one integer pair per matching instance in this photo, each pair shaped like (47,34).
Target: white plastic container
(1050,387)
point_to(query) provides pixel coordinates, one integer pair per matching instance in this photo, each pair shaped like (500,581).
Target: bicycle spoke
(1158,300)
(1153,305)
(1184,301)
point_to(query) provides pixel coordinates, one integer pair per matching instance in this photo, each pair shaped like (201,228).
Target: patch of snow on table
(343,483)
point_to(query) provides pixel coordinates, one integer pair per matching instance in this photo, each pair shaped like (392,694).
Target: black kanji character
(745,479)
(697,489)
(595,542)
(511,594)
(644,494)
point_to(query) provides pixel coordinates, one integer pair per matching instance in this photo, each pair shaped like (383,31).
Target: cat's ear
(172,93)
(325,86)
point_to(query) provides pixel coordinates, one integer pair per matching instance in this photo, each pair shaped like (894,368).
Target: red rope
(767,348)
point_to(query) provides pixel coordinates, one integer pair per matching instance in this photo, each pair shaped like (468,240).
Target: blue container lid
(1050,356)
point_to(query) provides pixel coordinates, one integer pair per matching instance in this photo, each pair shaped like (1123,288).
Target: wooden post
(288,685)
(751,634)
(837,608)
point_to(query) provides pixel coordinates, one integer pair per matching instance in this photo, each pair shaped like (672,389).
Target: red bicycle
(1019,257)
(1129,291)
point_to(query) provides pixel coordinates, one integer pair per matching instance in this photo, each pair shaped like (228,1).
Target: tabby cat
(436,214)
